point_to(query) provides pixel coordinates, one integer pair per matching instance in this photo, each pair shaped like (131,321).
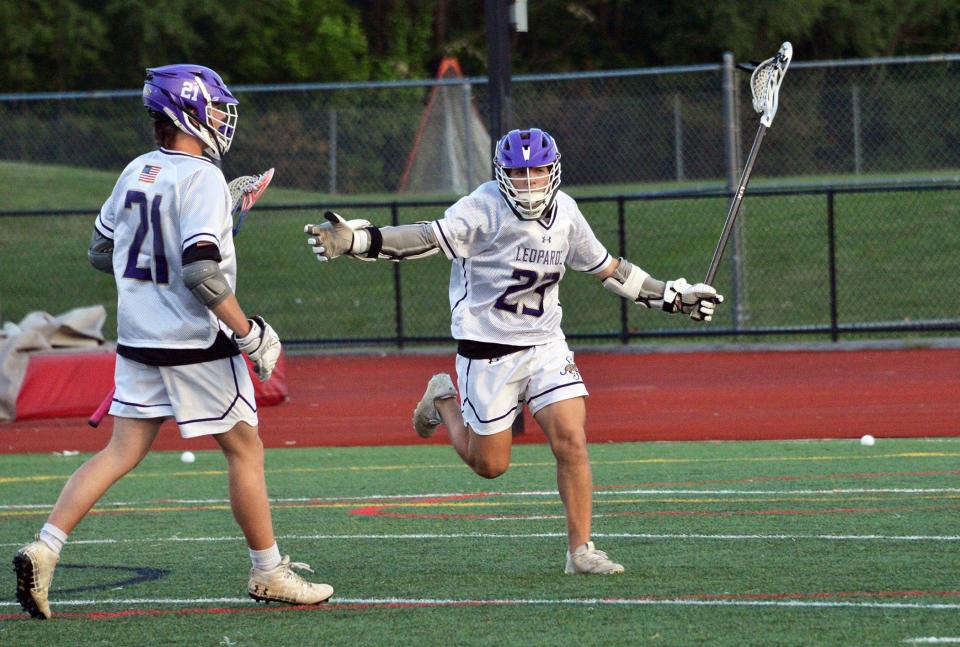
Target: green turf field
(736,543)
(909,235)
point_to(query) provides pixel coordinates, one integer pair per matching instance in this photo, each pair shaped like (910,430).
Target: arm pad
(402,242)
(630,282)
(207,282)
(100,252)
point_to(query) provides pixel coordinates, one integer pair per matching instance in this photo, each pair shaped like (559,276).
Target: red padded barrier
(65,383)
(72,383)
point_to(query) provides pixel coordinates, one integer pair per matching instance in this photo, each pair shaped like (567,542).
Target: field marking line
(932,640)
(547,464)
(599,492)
(442,602)
(532,535)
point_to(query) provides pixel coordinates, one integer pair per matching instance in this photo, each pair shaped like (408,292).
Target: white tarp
(38,331)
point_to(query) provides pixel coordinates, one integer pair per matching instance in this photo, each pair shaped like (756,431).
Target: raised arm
(360,239)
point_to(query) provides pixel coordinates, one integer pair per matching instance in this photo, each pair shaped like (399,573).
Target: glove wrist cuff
(670,297)
(361,241)
(254,333)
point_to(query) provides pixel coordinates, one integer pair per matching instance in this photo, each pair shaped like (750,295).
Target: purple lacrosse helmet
(527,149)
(196,100)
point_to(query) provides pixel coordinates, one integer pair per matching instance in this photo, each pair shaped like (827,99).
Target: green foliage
(81,44)
(34,36)
(291,41)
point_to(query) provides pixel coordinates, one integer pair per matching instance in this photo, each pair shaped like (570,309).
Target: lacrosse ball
(187,457)
(867,440)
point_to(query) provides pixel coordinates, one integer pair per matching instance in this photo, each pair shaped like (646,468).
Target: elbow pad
(630,282)
(100,252)
(404,242)
(207,282)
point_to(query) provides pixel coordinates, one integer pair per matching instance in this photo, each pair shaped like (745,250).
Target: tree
(50,45)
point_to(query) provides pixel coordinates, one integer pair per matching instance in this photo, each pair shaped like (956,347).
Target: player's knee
(490,468)
(570,446)
(242,442)
(124,459)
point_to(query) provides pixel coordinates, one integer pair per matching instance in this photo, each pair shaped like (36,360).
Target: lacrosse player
(510,242)
(165,235)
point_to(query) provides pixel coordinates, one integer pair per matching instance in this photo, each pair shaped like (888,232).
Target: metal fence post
(857,141)
(732,145)
(832,267)
(332,186)
(398,294)
(468,135)
(622,236)
(677,138)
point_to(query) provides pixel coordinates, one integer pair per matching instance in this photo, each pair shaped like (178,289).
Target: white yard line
(846,604)
(531,493)
(535,535)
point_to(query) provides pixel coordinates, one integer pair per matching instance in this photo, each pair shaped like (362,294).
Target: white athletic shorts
(205,398)
(492,391)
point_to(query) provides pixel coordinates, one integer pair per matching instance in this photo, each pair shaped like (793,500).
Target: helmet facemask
(519,162)
(529,192)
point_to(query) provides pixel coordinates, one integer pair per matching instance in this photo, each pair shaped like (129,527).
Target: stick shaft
(735,206)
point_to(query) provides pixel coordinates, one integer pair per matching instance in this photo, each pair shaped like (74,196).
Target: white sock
(53,537)
(266,559)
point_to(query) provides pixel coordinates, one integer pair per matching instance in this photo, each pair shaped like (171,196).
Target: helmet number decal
(190,90)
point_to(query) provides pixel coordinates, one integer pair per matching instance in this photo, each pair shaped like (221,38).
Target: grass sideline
(907,235)
(735,543)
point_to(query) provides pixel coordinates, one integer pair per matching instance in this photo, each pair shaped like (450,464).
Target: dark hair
(164,130)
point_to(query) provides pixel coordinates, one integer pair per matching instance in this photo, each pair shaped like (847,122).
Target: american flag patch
(149,173)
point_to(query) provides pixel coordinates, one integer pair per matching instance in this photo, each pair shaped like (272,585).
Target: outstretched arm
(630,282)
(360,239)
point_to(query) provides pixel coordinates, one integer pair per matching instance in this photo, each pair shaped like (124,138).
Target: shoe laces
(594,556)
(289,574)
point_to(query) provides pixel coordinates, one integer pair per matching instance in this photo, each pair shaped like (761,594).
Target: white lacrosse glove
(339,237)
(262,346)
(699,301)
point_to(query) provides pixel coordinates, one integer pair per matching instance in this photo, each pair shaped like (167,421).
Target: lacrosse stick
(765,88)
(244,192)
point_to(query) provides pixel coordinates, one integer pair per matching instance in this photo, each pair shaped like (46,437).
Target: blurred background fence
(850,225)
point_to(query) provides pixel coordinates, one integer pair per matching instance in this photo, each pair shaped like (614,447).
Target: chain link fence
(650,153)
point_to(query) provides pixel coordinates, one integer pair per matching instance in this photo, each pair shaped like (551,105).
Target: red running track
(366,400)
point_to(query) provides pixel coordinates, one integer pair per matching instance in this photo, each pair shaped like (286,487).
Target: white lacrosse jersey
(164,202)
(505,274)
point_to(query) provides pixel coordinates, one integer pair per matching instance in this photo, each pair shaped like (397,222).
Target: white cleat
(281,584)
(34,565)
(426,418)
(587,560)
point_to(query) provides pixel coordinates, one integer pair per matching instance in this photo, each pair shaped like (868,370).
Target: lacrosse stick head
(244,192)
(765,83)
